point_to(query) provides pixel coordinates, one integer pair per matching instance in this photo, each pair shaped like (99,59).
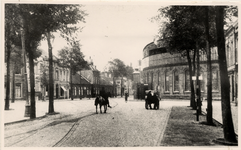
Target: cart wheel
(146,105)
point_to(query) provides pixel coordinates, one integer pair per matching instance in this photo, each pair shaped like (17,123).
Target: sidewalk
(183,130)
(217,112)
(17,109)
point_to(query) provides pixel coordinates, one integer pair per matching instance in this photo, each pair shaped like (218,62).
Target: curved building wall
(168,74)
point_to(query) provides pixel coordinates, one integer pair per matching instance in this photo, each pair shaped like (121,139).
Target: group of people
(106,96)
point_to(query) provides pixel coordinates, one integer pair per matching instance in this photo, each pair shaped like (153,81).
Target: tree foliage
(72,57)
(38,21)
(119,69)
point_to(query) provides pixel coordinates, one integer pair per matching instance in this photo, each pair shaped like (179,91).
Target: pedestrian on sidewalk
(126,95)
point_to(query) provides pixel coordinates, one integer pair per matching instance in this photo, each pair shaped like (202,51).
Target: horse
(99,100)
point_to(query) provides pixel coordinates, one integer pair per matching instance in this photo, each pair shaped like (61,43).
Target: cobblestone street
(125,125)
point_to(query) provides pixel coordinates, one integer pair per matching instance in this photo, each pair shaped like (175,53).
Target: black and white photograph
(119,74)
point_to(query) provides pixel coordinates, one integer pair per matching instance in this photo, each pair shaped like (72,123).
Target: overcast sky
(115,30)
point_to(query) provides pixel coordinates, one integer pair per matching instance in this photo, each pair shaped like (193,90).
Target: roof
(78,79)
(105,80)
(149,46)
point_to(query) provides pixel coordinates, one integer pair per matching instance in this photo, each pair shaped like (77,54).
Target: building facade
(168,74)
(81,87)
(231,41)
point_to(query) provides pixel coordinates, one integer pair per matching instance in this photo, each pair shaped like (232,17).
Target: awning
(63,88)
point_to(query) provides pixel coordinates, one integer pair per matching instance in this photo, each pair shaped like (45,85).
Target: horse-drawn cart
(151,98)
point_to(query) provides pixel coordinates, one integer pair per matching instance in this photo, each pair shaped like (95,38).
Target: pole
(197,83)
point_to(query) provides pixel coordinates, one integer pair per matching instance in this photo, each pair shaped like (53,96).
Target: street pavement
(76,109)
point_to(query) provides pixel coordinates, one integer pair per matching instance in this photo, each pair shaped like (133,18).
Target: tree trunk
(32,82)
(193,74)
(228,128)
(13,85)
(114,95)
(51,80)
(198,88)
(25,77)
(209,72)
(121,86)
(192,100)
(71,84)
(8,49)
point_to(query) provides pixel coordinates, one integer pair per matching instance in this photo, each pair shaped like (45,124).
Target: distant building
(81,86)
(168,74)
(106,82)
(231,41)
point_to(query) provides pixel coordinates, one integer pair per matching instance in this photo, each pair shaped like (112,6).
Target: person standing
(105,96)
(126,96)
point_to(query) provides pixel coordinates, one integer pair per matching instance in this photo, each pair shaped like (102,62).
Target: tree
(129,73)
(209,69)
(228,128)
(119,69)
(58,18)
(181,33)
(72,58)
(11,40)
(32,29)
(37,20)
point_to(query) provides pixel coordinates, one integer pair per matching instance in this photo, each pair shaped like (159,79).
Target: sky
(114,30)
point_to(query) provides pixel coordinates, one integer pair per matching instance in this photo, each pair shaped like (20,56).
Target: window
(176,81)
(17,70)
(67,74)
(60,75)
(202,81)
(147,78)
(158,78)
(18,90)
(187,81)
(215,79)
(56,75)
(166,82)
(74,90)
(64,76)
(81,91)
